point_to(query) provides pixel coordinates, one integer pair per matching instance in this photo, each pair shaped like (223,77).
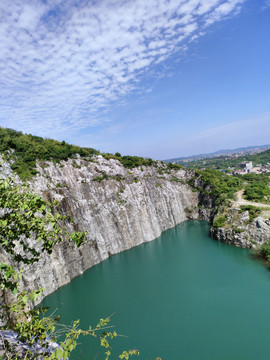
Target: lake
(183,296)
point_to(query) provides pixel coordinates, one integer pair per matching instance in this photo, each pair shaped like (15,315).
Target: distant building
(246,165)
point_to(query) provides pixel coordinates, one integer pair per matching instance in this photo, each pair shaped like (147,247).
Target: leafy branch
(25,221)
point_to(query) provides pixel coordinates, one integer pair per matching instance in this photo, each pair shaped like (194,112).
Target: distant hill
(228,161)
(223,152)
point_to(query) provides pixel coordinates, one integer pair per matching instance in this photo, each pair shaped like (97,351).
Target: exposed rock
(121,208)
(244,234)
(125,209)
(10,345)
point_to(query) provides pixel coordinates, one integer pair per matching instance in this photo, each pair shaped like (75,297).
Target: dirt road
(241,201)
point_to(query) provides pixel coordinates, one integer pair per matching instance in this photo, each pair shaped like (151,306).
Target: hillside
(24,149)
(248,150)
(225,162)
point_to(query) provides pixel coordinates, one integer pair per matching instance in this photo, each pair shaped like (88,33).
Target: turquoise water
(183,296)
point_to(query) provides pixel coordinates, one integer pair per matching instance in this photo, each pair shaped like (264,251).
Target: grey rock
(127,209)
(10,345)
(253,234)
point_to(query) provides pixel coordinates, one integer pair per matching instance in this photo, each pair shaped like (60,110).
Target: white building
(246,165)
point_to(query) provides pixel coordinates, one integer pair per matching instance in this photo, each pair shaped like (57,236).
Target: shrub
(238,230)
(104,176)
(220,221)
(174,166)
(217,184)
(252,210)
(265,250)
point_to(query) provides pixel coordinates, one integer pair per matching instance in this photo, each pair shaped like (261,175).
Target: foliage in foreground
(24,216)
(38,332)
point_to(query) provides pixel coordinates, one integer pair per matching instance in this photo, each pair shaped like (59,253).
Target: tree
(25,216)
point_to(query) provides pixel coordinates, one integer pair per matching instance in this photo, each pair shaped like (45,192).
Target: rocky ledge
(243,231)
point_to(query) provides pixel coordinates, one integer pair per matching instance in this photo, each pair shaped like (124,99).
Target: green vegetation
(217,184)
(257,192)
(99,178)
(24,150)
(23,218)
(75,165)
(223,187)
(238,230)
(174,166)
(220,221)
(135,161)
(130,161)
(220,188)
(265,251)
(225,161)
(252,210)
(257,188)
(105,176)
(21,221)
(174,178)
(135,179)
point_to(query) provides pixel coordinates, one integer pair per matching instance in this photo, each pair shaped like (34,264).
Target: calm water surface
(183,296)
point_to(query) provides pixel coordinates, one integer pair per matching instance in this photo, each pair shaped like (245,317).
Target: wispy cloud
(63,62)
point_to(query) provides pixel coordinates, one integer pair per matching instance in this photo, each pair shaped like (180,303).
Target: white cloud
(231,7)
(63,62)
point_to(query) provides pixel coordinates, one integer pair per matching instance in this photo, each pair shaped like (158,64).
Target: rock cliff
(118,207)
(121,208)
(243,231)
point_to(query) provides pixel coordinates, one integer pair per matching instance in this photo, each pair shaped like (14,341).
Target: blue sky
(155,78)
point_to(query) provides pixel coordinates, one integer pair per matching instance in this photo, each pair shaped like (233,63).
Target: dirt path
(241,201)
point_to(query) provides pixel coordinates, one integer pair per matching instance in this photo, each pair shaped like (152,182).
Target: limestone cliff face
(118,207)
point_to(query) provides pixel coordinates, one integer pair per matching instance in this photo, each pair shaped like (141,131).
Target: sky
(153,78)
